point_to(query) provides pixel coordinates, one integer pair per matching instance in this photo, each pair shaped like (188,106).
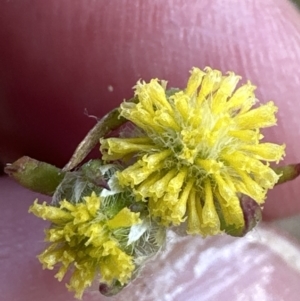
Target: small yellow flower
(197,150)
(84,240)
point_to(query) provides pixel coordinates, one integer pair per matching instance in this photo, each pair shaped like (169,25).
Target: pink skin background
(60,57)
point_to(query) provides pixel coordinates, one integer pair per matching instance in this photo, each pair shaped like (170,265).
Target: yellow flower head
(197,150)
(85,240)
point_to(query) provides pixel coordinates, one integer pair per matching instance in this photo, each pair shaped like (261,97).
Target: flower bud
(35,175)
(287,172)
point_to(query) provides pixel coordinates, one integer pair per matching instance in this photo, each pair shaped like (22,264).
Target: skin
(59,58)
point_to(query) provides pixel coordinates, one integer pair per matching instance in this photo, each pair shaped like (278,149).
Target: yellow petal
(135,174)
(96,234)
(116,264)
(50,213)
(153,160)
(232,212)
(262,117)
(54,235)
(209,165)
(211,81)
(265,151)
(50,257)
(81,278)
(166,120)
(194,81)
(157,94)
(225,90)
(67,259)
(176,183)
(124,218)
(81,214)
(180,207)
(194,213)
(242,99)
(140,117)
(159,188)
(211,222)
(142,191)
(92,203)
(181,102)
(117,148)
(226,188)
(248,136)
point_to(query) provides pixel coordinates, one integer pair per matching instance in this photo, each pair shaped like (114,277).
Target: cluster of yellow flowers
(192,155)
(198,147)
(83,236)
